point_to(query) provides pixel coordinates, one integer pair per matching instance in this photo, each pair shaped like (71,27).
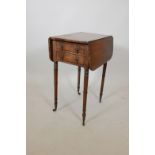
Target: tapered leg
(86,76)
(78,83)
(55,85)
(102,81)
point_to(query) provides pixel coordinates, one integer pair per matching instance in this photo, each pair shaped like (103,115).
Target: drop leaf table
(87,50)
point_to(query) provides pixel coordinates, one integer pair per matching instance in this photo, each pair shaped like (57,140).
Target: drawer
(73,48)
(71,58)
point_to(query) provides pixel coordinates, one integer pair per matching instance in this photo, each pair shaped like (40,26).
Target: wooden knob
(77,49)
(62,46)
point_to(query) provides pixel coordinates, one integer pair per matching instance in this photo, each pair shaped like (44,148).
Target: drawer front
(71,47)
(72,53)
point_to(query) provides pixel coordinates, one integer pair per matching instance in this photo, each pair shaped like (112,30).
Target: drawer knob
(62,51)
(61,46)
(77,49)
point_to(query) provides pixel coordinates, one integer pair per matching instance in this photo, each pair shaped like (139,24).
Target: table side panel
(50,48)
(100,52)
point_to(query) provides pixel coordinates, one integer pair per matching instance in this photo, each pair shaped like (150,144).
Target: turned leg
(78,83)
(102,81)
(86,75)
(55,85)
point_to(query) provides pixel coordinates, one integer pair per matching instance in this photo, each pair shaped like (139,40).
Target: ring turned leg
(86,76)
(78,83)
(102,81)
(55,85)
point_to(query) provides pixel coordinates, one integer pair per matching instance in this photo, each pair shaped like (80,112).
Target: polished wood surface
(100,52)
(80,37)
(87,50)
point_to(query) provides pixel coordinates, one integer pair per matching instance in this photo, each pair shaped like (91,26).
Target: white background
(12,65)
(53,17)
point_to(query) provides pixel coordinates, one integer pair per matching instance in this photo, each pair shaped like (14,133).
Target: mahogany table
(86,50)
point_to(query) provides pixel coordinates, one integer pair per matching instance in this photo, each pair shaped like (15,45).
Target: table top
(80,37)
